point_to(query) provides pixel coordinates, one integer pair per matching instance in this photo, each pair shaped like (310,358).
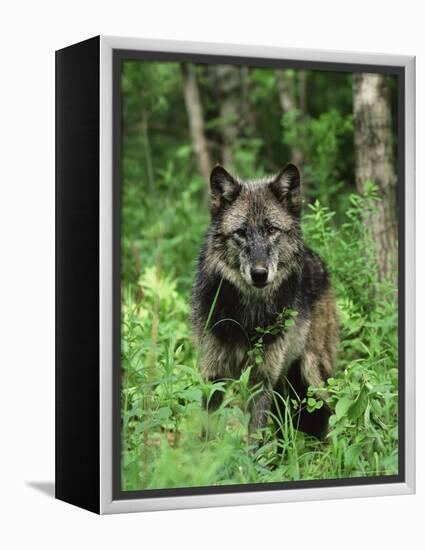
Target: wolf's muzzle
(259,276)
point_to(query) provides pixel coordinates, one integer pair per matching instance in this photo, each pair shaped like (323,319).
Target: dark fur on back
(255,250)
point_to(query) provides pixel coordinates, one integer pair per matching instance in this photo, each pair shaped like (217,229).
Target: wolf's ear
(287,188)
(224,189)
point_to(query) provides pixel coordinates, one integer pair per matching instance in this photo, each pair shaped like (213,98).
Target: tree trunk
(248,115)
(302,91)
(148,152)
(229,87)
(375,162)
(288,103)
(196,120)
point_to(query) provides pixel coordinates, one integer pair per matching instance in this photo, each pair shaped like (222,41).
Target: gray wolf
(254,253)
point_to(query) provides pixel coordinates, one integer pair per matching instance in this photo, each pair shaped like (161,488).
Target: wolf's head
(256,237)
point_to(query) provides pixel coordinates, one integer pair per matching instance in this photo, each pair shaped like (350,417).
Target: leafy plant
(284,320)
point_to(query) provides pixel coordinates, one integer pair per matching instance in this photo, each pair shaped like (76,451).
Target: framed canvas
(234,274)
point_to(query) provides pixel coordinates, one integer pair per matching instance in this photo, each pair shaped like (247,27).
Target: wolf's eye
(272,230)
(241,232)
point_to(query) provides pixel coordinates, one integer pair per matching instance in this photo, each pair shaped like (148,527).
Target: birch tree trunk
(288,103)
(302,90)
(375,162)
(229,87)
(196,120)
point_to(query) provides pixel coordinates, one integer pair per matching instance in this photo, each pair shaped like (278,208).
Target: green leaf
(342,407)
(178,350)
(191,394)
(352,454)
(244,377)
(295,404)
(332,420)
(367,416)
(359,406)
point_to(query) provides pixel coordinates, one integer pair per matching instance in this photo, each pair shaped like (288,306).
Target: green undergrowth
(168,440)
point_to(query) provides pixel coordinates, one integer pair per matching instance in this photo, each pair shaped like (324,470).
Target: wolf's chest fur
(234,323)
(236,315)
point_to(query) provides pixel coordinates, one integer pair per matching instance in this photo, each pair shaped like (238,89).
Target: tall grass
(164,441)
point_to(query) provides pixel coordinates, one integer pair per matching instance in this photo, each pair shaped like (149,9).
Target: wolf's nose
(259,275)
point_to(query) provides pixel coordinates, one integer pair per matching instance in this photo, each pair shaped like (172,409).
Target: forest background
(178,121)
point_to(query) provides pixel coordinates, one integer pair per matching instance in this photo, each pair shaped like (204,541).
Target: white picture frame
(107,499)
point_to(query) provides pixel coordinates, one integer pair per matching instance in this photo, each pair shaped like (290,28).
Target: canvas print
(258,275)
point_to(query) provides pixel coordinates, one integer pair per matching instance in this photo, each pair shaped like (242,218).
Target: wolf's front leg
(213,401)
(268,373)
(259,408)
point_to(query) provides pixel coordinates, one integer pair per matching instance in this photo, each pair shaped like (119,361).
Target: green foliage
(174,443)
(322,141)
(168,440)
(284,320)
